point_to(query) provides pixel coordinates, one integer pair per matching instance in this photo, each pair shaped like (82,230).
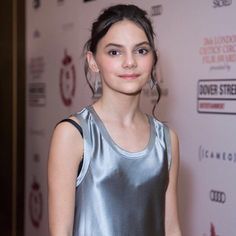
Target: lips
(129,76)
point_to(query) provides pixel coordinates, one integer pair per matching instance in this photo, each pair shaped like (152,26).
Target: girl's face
(124,58)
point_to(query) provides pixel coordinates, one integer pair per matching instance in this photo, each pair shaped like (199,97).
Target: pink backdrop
(197,72)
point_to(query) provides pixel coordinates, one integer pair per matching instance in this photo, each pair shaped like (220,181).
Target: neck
(123,109)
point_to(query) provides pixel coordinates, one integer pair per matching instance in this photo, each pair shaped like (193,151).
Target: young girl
(112,169)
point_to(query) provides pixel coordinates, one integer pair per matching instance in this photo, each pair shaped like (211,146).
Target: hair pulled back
(112,15)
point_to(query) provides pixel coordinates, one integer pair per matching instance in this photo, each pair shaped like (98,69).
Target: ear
(92,62)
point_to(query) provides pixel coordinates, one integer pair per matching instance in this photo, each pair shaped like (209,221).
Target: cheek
(108,65)
(147,65)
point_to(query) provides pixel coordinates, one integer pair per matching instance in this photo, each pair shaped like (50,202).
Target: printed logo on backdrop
(212,231)
(217,96)
(60,2)
(217,196)
(223,156)
(37,94)
(156,10)
(67,81)
(218,52)
(221,3)
(35,204)
(36,34)
(36,4)
(36,158)
(36,66)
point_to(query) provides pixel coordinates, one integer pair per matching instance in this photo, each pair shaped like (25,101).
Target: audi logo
(217,196)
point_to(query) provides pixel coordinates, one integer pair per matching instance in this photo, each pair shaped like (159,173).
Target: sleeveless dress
(121,193)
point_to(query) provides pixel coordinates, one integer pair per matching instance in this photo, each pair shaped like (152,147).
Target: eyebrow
(121,46)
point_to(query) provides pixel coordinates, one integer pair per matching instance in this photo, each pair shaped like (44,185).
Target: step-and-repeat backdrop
(196,43)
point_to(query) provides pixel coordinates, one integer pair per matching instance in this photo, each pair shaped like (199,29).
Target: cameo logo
(205,154)
(156,10)
(67,80)
(217,196)
(35,204)
(36,4)
(221,3)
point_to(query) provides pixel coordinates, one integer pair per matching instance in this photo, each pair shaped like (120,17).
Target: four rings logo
(221,3)
(217,196)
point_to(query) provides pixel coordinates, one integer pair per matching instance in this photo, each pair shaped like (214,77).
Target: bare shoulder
(174,138)
(174,149)
(66,141)
(67,132)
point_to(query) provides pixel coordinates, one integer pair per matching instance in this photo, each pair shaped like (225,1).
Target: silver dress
(121,193)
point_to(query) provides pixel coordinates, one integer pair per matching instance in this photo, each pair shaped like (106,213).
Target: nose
(129,61)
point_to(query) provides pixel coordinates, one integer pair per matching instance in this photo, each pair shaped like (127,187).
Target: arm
(64,157)
(171,213)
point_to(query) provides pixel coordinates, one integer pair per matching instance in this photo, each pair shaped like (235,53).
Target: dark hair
(115,14)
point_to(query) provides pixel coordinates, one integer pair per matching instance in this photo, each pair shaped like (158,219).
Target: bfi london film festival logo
(207,154)
(212,231)
(67,82)
(216,96)
(35,204)
(221,3)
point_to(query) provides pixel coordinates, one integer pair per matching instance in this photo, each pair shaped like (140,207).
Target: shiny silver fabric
(120,193)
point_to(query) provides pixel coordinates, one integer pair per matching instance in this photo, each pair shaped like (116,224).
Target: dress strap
(77,126)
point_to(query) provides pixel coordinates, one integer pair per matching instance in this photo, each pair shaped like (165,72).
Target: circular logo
(35,204)
(67,80)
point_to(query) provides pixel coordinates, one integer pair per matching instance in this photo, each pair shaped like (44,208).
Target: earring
(97,83)
(152,83)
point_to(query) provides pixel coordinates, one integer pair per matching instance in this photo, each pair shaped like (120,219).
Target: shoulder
(67,129)
(66,138)
(174,143)
(164,126)
(171,139)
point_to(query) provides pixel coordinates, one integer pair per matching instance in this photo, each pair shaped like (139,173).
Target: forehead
(124,32)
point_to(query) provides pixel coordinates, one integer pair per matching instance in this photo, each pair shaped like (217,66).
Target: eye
(142,51)
(114,52)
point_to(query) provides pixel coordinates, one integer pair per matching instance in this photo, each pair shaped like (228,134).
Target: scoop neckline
(115,146)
